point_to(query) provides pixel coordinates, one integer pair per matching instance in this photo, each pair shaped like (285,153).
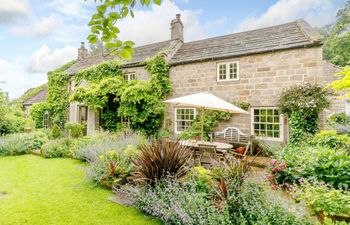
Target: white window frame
(347,107)
(227,71)
(175,117)
(281,125)
(129,75)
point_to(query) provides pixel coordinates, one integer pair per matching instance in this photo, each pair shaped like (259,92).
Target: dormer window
(227,71)
(130,76)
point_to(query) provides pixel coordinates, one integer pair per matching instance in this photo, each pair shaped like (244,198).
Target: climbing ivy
(58,93)
(138,100)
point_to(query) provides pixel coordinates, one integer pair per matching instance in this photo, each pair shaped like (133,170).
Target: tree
(337,38)
(343,84)
(104,24)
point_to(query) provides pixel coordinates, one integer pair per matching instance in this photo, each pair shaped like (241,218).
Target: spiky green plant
(161,159)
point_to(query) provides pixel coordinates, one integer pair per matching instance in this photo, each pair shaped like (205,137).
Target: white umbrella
(206,101)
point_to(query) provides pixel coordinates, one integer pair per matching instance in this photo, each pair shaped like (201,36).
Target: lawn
(55,191)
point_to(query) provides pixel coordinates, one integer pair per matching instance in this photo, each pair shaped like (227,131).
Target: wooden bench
(232,135)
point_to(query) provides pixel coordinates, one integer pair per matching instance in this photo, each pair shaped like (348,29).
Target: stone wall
(262,79)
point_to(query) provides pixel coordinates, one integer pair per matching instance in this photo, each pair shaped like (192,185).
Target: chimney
(82,52)
(177,29)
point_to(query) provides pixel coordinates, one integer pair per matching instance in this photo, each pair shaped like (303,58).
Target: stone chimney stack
(177,29)
(82,52)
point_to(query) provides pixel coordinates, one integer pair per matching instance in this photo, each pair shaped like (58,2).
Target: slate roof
(38,97)
(297,34)
(141,53)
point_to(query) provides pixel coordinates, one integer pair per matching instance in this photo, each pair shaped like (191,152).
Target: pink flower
(276,169)
(273,161)
(270,177)
(275,187)
(283,166)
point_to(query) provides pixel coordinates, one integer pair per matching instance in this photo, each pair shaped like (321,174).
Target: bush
(323,199)
(312,162)
(75,130)
(181,203)
(56,148)
(339,118)
(161,159)
(21,143)
(56,131)
(108,155)
(332,140)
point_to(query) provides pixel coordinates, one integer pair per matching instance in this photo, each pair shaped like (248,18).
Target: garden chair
(207,153)
(242,156)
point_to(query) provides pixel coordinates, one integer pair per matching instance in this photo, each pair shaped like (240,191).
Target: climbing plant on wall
(138,100)
(303,103)
(58,93)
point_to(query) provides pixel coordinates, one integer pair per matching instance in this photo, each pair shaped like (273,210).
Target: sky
(37,36)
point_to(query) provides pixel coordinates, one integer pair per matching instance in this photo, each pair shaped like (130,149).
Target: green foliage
(58,96)
(339,118)
(56,148)
(243,105)
(37,112)
(343,84)
(56,131)
(21,143)
(211,119)
(324,158)
(337,38)
(140,101)
(11,116)
(303,103)
(332,140)
(104,24)
(321,198)
(75,130)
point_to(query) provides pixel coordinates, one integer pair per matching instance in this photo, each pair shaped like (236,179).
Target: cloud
(13,10)
(153,25)
(16,79)
(317,12)
(44,59)
(40,27)
(71,9)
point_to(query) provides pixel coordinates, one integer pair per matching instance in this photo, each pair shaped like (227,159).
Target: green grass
(55,191)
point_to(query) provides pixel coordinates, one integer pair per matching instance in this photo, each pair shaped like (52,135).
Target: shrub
(339,118)
(21,143)
(323,199)
(56,148)
(202,178)
(181,203)
(56,131)
(161,159)
(312,163)
(75,130)
(303,103)
(108,155)
(332,140)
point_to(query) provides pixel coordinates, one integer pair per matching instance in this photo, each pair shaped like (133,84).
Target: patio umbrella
(206,101)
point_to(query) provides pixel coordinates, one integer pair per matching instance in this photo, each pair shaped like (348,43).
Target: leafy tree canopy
(104,27)
(337,38)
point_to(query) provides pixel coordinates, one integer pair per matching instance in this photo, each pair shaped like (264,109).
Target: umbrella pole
(203,113)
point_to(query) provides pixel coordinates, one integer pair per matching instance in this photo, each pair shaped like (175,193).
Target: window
(130,76)
(266,123)
(184,118)
(227,71)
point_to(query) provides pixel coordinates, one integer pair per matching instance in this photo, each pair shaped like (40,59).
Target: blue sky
(37,36)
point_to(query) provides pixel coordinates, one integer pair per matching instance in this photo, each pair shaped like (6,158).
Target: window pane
(233,70)
(266,122)
(184,118)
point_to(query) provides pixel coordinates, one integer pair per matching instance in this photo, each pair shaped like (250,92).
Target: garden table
(223,147)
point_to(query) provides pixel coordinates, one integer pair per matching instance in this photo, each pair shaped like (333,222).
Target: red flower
(270,177)
(276,169)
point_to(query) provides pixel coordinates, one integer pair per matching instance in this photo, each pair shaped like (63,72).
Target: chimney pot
(177,28)
(82,51)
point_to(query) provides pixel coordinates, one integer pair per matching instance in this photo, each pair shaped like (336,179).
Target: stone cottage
(252,66)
